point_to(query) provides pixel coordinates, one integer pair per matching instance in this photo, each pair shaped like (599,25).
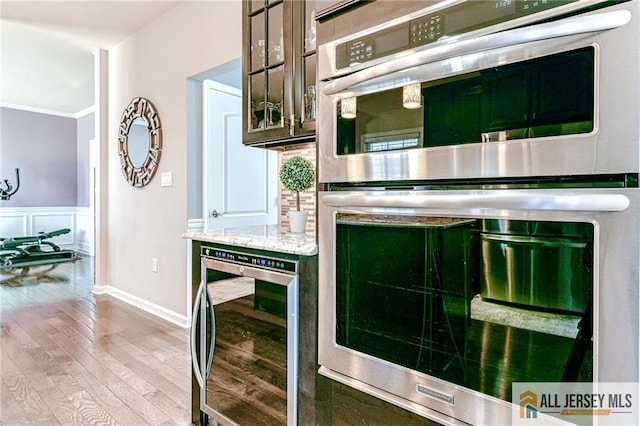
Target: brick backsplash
(287,199)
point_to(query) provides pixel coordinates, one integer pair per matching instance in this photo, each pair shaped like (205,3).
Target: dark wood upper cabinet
(279,72)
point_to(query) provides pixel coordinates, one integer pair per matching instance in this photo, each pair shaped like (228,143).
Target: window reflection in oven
(480,303)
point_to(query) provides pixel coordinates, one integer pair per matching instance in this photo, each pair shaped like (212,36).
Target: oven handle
(562,28)
(512,200)
(194,320)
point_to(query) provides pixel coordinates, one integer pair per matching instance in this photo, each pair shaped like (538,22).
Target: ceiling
(47,47)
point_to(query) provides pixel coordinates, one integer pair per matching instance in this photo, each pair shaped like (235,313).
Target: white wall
(146,223)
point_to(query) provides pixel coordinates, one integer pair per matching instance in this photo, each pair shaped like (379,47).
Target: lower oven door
(245,357)
(403,285)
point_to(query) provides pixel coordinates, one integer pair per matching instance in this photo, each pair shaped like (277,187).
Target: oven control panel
(426,30)
(250,259)
(454,20)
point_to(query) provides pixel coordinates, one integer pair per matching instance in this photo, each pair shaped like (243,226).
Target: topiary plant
(297,175)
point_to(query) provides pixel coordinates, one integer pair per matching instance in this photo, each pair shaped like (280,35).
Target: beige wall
(146,223)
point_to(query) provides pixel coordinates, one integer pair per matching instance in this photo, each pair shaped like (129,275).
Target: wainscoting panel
(27,221)
(48,221)
(85,231)
(12,225)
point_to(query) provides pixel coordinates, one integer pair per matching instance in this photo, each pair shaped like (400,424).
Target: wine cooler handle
(212,334)
(194,320)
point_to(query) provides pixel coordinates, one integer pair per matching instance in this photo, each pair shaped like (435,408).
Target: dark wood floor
(69,358)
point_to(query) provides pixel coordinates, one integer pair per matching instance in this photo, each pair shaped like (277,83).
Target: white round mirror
(140,141)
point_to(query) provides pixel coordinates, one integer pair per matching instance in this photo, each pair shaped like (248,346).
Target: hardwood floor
(69,358)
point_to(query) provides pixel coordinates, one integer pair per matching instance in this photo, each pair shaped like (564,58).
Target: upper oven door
(556,98)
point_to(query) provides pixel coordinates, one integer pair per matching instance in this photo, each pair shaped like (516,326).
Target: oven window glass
(480,303)
(543,97)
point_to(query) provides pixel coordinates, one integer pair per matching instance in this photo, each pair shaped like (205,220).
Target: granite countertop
(270,237)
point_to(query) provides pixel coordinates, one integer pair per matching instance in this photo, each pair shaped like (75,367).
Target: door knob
(216,213)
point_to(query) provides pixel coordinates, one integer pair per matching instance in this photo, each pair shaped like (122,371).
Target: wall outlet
(154,265)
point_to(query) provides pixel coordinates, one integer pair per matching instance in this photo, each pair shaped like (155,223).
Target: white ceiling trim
(37,110)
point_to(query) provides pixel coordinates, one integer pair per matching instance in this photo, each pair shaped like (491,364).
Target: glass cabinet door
(279,104)
(266,82)
(308,64)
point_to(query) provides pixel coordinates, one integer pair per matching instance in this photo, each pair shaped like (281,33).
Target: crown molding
(48,111)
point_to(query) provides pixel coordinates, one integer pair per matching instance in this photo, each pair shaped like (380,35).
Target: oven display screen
(478,13)
(392,40)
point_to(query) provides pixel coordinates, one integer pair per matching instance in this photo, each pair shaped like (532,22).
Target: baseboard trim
(135,301)
(195,225)
(85,249)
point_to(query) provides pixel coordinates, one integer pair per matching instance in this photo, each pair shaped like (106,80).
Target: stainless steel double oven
(479,207)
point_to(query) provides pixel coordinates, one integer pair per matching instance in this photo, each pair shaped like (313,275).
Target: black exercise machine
(17,252)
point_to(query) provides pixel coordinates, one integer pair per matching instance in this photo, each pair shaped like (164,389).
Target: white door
(239,182)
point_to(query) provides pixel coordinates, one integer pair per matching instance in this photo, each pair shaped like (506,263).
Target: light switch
(166,179)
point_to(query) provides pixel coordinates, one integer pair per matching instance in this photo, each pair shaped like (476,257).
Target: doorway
(239,182)
(225,179)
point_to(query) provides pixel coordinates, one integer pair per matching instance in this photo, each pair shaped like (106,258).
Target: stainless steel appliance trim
(390,398)
(194,318)
(220,419)
(248,271)
(556,199)
(292,350)
(566,27)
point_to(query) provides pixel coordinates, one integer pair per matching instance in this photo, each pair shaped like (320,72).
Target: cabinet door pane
(309,25)
(257,101)
(255,5)
(258,44)
(276,36)
(309,85)
(275,97)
